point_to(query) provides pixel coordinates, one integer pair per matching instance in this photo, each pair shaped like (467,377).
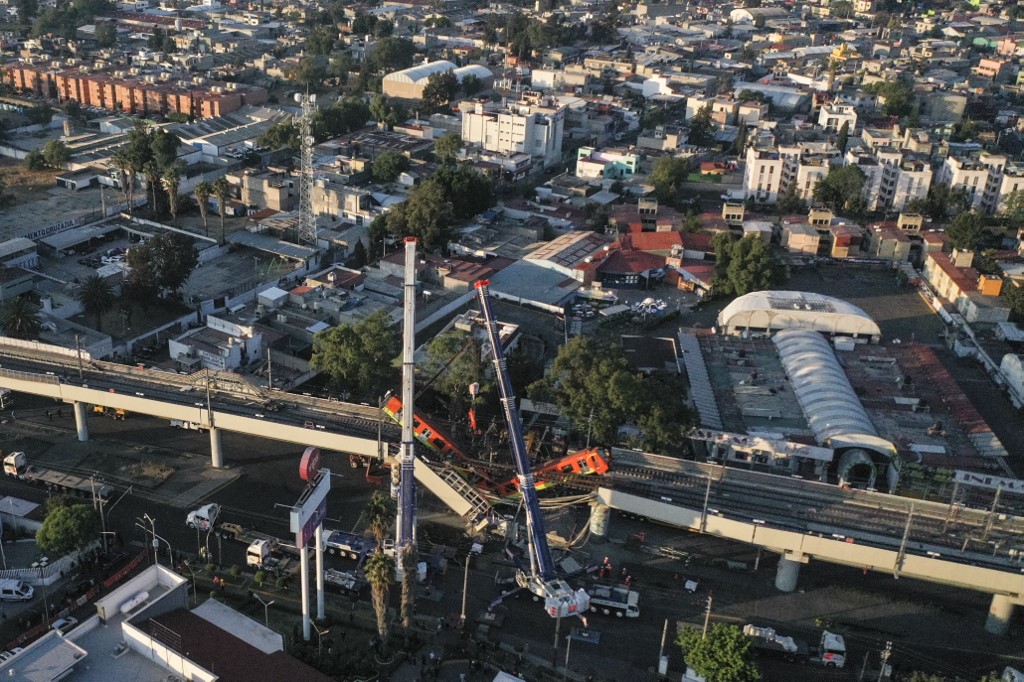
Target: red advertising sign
(309,465)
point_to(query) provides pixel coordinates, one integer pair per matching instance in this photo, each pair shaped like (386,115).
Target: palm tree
(171,180)
(380,514)
(202,193)
(19,318)
(126,176)
(222,190)
(96,296)
(153,175)
(408,559)
(380,571)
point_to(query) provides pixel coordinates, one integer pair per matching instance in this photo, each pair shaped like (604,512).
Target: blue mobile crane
(541,577)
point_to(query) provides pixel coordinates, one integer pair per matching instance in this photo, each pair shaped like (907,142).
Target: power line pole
(307,220)
(886,653)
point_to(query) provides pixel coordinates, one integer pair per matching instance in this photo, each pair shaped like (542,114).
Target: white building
(221,344)
(770,172)
(533,127)
(893,176)
(19,253)
(834,114)
(980,177)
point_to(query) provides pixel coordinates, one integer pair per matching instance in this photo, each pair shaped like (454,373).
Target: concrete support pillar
(304,579)
(999,614)
(80,421)
(321,613)
(786,575)
(600,515)
(216,451)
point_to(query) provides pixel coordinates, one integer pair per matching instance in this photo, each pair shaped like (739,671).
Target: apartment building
(728,110)
(893,176)
(533,126)
(981,177)
(770,172)
(834,114)
(131,90)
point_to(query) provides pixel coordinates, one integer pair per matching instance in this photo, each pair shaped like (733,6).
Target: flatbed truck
(829,652)
(16,465)
(610,600)
(344,582)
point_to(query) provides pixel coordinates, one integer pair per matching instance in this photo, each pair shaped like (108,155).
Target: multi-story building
(131,90)
(893,176)
(533,126)
(834,114)
(762,177)
(771,172)
(979,177)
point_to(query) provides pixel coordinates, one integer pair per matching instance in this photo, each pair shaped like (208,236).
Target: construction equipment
(540,577)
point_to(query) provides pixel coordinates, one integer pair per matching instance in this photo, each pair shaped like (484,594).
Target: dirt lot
(24,184)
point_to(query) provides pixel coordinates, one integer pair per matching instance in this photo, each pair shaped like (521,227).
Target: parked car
(64,625)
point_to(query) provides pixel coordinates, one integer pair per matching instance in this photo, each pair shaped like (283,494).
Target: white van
(15,590)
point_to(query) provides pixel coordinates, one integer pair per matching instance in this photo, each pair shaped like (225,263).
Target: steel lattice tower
(307,221)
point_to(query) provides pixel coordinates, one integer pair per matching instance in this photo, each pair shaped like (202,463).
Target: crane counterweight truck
(540,578)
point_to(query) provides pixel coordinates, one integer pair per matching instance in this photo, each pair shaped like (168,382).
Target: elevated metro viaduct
(796,548)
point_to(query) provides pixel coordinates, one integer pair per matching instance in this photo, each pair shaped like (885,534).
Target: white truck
(15,590)
(830,651)
(189,426)
(263,554)
(618,601)
(204,518)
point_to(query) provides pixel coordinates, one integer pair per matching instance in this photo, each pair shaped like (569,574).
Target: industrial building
(409,83)
(766,312)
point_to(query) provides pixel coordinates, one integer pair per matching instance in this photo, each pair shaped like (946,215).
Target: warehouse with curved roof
(831,407)
(409,83)
(767,312)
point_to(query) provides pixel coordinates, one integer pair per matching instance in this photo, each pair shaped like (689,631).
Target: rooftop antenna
(307,222)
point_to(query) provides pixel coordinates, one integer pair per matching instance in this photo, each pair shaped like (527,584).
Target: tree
(163,147)
(427,215)
(380,572)
(389,165)
(722,656)
(965,231)
(408,559)
(56,153)
(68,526)
(360,357)
(35,160)
(380,514)
(691,224)
(39,114)
(310,71)
(594,385)
(390,54)
(202,193)
(940,203)
(668,175)
(280,136)
(471,84)
(153,174)
(742,265)
(741,141)
(898,97)
(440,89)
(385,112)
(321,41)
(175,257)
(6,198)
(1013,294)
(453,363)
(106,35)
(73,109)
(469,192)
(97,297)
(448,146)
(27,9)
(222,190)
(844,137)
(171,180)
(19,318)
(700,126)
(1012,209)
(841,188)
(359,255)
(141,281)
(790,202)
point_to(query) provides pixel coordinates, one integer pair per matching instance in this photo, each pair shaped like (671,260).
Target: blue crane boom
(542,579)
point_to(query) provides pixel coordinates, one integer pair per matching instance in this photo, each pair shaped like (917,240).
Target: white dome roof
(420,72)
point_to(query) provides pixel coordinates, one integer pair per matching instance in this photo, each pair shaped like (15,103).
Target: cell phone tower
(307,221)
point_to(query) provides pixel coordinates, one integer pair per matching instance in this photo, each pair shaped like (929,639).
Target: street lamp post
(568,648)
(156,543)
(195,590)
(106,512)
(465,586)
(266,609)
